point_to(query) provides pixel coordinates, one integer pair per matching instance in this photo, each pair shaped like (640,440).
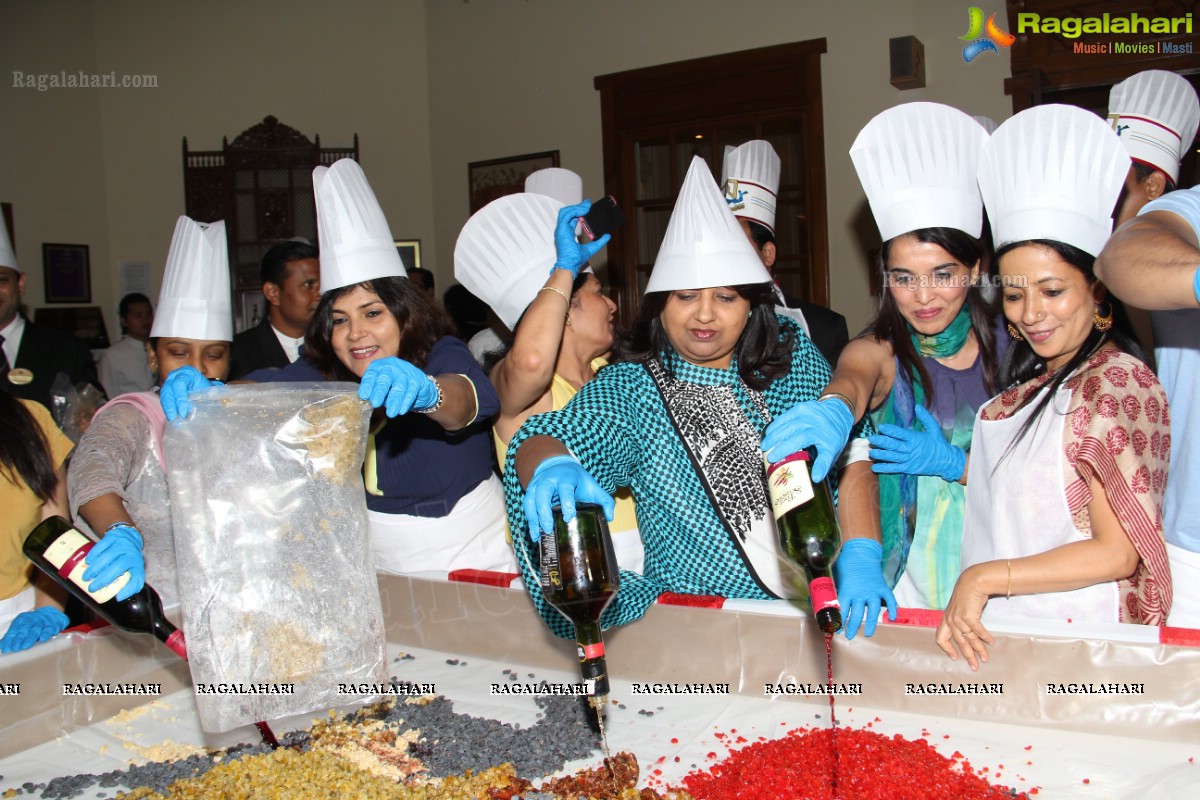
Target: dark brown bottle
(579,577)
(809,534)
(59,550)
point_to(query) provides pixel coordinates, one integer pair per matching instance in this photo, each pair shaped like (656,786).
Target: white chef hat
(704,246)
(917,164)
(988,123)
(556,183)
(1053,172)
(195,300)
(8,256)
(750,180)
(356,243)
(1155,113)
(506,250)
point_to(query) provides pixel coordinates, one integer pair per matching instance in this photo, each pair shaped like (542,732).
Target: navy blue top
(420,468)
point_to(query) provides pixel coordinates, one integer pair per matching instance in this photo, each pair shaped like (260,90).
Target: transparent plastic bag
(274,564)
(73,406)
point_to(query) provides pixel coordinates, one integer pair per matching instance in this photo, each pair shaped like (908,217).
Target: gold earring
(1013,332)
(1103,322)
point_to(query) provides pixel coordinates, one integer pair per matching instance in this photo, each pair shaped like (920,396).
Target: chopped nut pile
(290,775)
(415,748)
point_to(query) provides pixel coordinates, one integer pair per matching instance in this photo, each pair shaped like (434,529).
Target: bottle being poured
(809,534)
(579,577)
(60,550)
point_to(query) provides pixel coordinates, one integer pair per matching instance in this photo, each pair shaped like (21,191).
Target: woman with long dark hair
(928,361)
(433,502)
(1064,507)
(33,486)
(678,417)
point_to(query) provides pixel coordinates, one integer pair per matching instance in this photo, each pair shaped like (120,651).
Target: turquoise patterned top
(618,428)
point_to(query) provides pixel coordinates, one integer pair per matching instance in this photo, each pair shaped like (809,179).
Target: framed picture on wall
(67,273)
(500,176)
(410,252)
(253,309)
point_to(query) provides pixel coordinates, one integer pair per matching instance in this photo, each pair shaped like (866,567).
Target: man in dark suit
(31,356)
(292,286)
(826,327)
(750,182)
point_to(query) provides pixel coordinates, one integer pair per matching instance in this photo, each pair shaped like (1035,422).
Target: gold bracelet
(560,292)
(1008,594)
(843,398)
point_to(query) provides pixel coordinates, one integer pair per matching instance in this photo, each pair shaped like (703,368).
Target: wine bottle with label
(59,550)
(809,534)
(579,577)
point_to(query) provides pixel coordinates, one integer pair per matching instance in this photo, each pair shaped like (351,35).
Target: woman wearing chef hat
(520,254)
(678,417)
(1068,465)
(117,482)
(433,502)
(928,360)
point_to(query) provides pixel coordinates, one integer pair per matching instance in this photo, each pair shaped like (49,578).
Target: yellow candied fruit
(287,775)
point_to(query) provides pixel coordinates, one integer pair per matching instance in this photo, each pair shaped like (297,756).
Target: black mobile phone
(604,218)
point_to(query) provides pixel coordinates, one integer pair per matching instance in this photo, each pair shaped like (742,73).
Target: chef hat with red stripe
(1155,114)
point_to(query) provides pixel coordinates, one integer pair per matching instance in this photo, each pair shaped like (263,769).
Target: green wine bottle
(809,534)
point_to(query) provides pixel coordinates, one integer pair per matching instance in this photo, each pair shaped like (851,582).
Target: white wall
(428,86)
(105,167)
(51,155)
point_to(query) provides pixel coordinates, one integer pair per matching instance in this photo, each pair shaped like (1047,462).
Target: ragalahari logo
(981,38)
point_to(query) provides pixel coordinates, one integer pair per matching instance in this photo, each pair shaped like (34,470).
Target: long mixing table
(1077,711)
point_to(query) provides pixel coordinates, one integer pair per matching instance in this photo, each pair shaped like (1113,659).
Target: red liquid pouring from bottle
(832,718)
(59,550)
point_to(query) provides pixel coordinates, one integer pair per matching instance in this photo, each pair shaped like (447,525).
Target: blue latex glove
(912,452)
(824,423)
(398,386)
(118,552)
(1196,284)
(175,390)
(561,479)
(32,627)
(858,575)
(571,255)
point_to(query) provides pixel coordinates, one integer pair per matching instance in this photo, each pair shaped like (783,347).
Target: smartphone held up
(604,217)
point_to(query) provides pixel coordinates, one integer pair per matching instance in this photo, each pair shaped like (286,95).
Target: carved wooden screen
(261,185)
